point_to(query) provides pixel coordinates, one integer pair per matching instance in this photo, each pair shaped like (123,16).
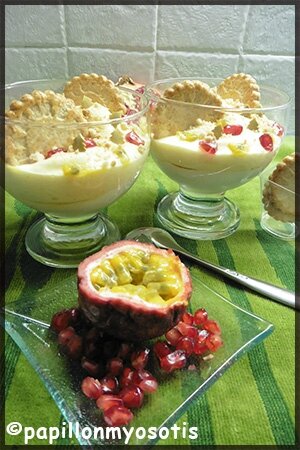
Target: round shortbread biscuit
(279,190)
(98,88)
(240,87)
(168,117)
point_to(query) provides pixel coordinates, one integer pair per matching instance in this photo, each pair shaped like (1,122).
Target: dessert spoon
(163,239)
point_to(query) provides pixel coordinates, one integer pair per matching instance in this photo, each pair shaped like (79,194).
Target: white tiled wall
(152,42)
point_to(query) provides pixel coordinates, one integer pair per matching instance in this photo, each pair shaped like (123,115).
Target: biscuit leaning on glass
(209,136)
(279,199)
(72,148)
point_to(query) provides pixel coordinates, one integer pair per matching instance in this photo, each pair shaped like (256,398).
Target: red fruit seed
(173,336)
(140,358)
(212,326)
(126,377)
(91,387)
(186,344)
(200,316)
(117,416)
(200,342)
(213,342)
(235,130)
(54,151)
(89,143)
(109,384)
(173,361)
(266,142)
(106,401)
(188,318)
(161,349)
(210,147)
(114,366)
(133,138)
(187,330)
(132,396)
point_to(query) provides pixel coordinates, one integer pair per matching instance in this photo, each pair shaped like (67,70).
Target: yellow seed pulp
(154,278)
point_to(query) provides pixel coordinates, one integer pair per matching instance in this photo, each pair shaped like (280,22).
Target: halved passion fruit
(133,291)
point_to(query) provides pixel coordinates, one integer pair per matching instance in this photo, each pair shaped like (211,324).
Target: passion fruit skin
(124,318)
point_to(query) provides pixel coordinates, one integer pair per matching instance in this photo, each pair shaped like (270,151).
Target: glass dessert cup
(204,167)
(71,188)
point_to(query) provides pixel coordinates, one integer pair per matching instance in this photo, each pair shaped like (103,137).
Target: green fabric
(254,401)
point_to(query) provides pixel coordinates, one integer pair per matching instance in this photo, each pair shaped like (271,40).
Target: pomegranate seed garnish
(173,336)
(187,330)
(126,377)
(144,380)
(117,416)
(73,348)
(91,367)
(106,401)
(109,384)
(132,396)
(89,143)
(188,318)
(140,358)
(213,342)
(266,142)
(212,326)
(161,349)
(186,344)
(91,387)
(199,343)
(200,316)
(65,335)
(61,320)
(54,151)
(133,138)
(114,366)
(235,130)
(140,90)
(173,361)
(210,147)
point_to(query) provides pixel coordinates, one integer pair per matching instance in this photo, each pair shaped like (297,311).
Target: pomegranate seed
(65,335)
(278,129)
(173,361)
(200,316)
(132,396)
(89,143)
(200,342)
(130,111)
(61,320)
(140,90)
(186,344)
(91,367)
(148,385)
(114,366)
(117,416)
(188,318)
(133,138)
(187,330)
(213,342)
(212,326)
(124,350)
(161,349)
(73,348)
(235,130)
(210,148)
(126,377)
(54,151)
(266,142)
(106,401)
(144,380)
(140,358)
(91,387)
(109,384)
(173,336)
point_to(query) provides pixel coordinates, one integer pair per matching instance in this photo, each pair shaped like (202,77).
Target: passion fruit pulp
(133,291)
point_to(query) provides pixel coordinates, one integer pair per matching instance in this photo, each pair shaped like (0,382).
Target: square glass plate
(26,321)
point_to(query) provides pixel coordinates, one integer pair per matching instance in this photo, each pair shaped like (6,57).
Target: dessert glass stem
(65,242)
(208,216)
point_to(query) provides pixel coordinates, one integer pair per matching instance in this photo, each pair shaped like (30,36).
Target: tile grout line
(241,50)
(155,43)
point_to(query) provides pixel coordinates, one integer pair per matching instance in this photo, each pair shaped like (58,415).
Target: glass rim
(33,123)
(152,96)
